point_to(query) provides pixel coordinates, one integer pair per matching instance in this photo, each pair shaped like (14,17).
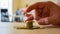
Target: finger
(28,15)
(43,21)
(34,6)
(30,18)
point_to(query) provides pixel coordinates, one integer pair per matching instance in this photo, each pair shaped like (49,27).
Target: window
(6,4)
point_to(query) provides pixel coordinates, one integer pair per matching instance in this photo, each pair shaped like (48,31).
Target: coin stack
(29,24)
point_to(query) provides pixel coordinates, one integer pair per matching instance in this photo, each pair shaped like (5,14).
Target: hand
(46,9)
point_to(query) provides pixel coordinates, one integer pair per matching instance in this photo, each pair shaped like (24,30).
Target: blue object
(17,12)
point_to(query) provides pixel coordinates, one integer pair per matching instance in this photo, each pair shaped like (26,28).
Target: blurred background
(10,10)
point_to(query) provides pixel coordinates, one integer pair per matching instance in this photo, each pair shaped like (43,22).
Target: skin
(43,10)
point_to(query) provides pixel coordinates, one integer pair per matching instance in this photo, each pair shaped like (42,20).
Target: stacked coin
(29,24)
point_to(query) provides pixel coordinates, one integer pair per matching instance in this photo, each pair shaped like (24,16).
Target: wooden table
(8,28)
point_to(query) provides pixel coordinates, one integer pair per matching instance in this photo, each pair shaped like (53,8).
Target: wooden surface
(8,28)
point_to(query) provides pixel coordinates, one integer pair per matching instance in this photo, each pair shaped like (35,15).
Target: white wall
(10,9)
(4,3)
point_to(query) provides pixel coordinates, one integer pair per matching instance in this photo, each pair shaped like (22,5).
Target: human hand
(46,9)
